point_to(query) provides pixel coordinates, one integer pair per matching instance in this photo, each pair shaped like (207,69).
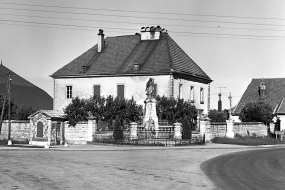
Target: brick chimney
(101,42)
(151,33)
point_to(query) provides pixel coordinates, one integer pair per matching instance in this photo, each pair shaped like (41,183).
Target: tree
(13,108)
(118,133)
(173,110)
(104,109)
(187,126)
(217,116)
(257,112)
(23,113)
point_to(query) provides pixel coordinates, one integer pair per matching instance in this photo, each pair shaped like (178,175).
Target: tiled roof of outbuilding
(275,92)
(24,93)
(122,52)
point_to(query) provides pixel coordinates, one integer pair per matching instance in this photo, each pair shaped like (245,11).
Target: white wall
(134,87)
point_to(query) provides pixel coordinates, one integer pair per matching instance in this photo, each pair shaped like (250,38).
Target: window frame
(68,92)
(192,99)
(180,91)
(202,95)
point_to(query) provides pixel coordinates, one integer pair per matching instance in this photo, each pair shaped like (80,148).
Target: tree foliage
(173,110)
(17,112)
(257,112)
(118,133)
(105,109)
(187,126)
(217,116)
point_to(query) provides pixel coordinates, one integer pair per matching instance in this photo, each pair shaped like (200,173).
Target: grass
(248,140)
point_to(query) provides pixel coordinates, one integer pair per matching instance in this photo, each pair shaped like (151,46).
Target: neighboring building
(24,93)
(122,65)
(271,91)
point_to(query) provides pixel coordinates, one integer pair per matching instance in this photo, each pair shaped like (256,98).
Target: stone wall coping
(16,121)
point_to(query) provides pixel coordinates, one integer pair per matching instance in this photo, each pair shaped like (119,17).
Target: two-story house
(122,65)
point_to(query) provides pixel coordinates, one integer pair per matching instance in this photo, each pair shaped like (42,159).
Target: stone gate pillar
(205,127)
(91,128)
(134,130)
(230,129)
(177,131)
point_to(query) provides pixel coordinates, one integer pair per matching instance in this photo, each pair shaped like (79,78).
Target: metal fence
(148,138)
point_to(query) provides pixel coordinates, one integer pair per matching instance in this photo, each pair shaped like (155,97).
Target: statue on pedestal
(150,119)
(150,88)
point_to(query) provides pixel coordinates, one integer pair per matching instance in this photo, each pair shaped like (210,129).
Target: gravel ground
(108,167)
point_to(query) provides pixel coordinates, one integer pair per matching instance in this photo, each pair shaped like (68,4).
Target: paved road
(254,169)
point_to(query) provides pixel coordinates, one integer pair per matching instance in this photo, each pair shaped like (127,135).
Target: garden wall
(20,130)
(219,129)
(77,134)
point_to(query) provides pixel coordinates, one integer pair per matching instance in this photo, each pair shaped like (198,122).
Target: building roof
(120,53)
(51,114)
(23,92)
(275,93)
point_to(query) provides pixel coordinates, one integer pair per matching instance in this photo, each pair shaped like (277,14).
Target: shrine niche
(46,127)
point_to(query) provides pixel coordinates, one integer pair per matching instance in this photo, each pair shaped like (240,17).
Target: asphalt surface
(254,169)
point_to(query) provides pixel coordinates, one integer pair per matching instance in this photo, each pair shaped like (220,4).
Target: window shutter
(97,90)
(155,91)
(120,91)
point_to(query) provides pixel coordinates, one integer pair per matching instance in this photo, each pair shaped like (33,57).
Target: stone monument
(150,119)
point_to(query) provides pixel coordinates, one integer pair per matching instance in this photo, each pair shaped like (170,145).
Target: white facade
(134,86)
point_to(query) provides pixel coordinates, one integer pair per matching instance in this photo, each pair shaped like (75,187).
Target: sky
(233,41)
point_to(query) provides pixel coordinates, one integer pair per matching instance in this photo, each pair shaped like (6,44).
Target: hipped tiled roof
(275,93)
(24,93)
(122,52)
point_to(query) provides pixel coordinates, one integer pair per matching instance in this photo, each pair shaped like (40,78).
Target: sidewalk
(104,147)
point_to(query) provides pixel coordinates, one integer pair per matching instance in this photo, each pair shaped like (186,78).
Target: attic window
(262,90)
(84,68)
(136,67)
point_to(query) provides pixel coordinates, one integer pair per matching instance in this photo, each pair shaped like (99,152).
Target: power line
(161,13)
(72,25)
(125,22)
(158,18)
(60,26)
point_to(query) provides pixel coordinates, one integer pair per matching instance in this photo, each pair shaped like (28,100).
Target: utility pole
(9,108)
(4,102)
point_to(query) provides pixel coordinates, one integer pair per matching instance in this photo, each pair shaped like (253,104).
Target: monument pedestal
(150,113)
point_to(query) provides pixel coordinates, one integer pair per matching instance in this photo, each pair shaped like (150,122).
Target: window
(180,91)
(120,91)
(201,95)
(192,94)
(68,92)
(97,90)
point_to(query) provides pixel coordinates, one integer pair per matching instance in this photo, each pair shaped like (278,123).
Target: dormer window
(262,90)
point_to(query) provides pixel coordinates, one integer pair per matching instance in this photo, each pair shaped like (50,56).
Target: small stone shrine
(47,128)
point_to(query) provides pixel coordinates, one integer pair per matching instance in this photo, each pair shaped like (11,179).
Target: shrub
(257,112)
(217,116)
(118,133)
(187,128)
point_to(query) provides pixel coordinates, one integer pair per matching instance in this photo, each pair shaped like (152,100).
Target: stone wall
(20,130)
(77,134)
(219,129)
(243,128)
